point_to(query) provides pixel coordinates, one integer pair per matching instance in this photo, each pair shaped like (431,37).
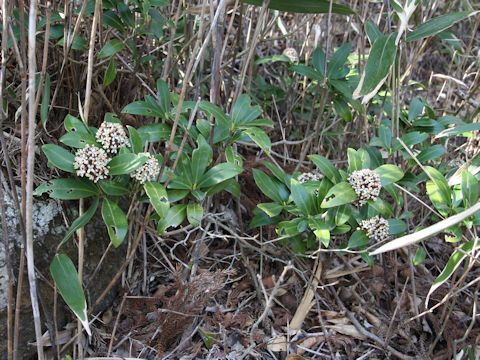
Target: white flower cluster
(366,184)
(310,176)
(148,171)
(112,136)
(91,162)
(377,228)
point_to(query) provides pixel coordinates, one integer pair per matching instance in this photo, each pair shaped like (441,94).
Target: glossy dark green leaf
(59,157)
(318,61)
(219,173)
(242,111)
(396,226)
(158,197)
(112,188)
(302,199)
(68,284)
(271,187)
(71,123)
(201,158)
(259,137)
(110,73)
(340,194)
(337,62)
(194,213)
(81,221)
(126,163)
(438,190)
(326,168)
(148,107)
(389,174)
(135,140)
(175,216)
(67,189)
(154,132)
(431,153)
(116,222)
(78,139)
(307,71)
(358,240)
(164,99)
(110,48)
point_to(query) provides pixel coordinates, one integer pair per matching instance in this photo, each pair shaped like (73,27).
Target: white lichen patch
(43,213)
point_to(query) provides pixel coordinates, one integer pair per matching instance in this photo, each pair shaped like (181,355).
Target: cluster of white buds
(377,228)
(112,136)
(91,162)
(367,185)
(291,53)
(148,171)
(314,175)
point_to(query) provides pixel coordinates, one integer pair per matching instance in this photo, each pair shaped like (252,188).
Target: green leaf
(116,222)
(437,25)
(219,173)
(358,240)
(271,209)
(321,231)
(158,197)
(164,100)
(438,190)
(354,160)
(420,256)
(301,198)
(66,280)
(340,194)
(372,30)
(68,189)
(431,153)
(318,61)
(381,58)
(272,188)
(242,112)
(78,139)
(112,188)
(411,139)
(135,140)
(337,62)
(81,221)
(126,163)
(194,213)
(144,108)
(307,71)
(326,168)
(59,157)
(154,132)
(45,100)
(453,263)
(201,158)
(469,189)
(389,174)
(111,48)
(71,123)
(260,138)
(110,73)
(459,130)
(175,216)
(396,226)
(304,6)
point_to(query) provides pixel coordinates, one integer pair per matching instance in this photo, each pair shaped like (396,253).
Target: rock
(49,229)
